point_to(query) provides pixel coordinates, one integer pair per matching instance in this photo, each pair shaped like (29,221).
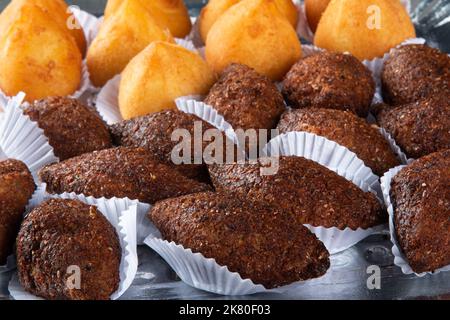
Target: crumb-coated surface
(312,193)
(119,172)
(256,240)
(420,194)
(61,234)
(413,72)
(348,130)
(154,133)
(246,99)
(16,188)
(71,127)
(330,80)
(419,128)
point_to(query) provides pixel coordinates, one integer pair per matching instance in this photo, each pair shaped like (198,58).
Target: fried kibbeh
(330,80)
(254,33)
(71,127)
(158,75)
(314,10)
(258,241)
(119,172)
(366,28)
(16,188)
(348,130)
(59,12)
(154,133)
(59,234)
(419,128)
(420,195)
(168,14)
(413,72)
(216,8)
(121,37)
(246,99)
(312,193)
(38,70)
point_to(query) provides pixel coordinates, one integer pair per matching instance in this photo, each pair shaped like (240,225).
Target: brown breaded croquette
(246,99)
(346,129)
(419,128)
(312,193)
(16,188)
(420,195)
(330,80)
(71,127)
(60,238)
(119,172)
(413,72)
(258,241)
(154,133)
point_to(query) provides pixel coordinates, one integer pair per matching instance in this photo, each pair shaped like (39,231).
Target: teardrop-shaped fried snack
(59,12)
(254,33)
(16,188)
(121,37)
(256,240)
(119,172)
(347,129)
(168,14)
(61,236)
(330,80)
(38,56)
(314,10)
(420,195)
(246,99)
(71,127)
(312,193)
(366,28)
(158,75)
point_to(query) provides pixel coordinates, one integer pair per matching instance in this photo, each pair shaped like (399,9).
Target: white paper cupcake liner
(10,264)
(206,274)
(399,258)
(22,139)
(88,22)
(144,227)
(394,146)
(107,103)
(340,160)
(123,218)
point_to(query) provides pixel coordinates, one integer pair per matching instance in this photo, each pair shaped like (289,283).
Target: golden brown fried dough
(16,188)
(119,172)
(365,28)
(314,10)
(256,240)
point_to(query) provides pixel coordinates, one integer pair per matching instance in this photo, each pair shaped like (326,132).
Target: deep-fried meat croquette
(413,72)
(119,172)
(60,234)
(420,195)
(71,128)
(330,80)
(346,129)
(312,193)
(419,128)
(16,188)
(256,240)
(246,99)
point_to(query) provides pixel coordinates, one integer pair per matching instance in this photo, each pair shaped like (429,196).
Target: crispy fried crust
(246,99)
(346,129)
(420,195)
(311,192)
(59,234)
(419,128)
(118,172)
(330,80)
(71,127)
(154,133)
(256,240)
(413,72)
(16,188)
